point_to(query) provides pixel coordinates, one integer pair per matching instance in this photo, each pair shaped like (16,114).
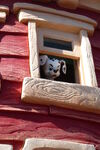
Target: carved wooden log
(37,143)
(42,91)
(87,60)
(34,55)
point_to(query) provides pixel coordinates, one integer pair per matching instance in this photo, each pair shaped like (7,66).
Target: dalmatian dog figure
(51,67)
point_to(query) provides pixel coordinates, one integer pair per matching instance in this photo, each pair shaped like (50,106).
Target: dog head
(52,67)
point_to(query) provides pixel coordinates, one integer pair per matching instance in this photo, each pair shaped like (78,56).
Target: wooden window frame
(41,91)
(38,144)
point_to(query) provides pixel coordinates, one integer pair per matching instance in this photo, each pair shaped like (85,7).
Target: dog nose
(55,71)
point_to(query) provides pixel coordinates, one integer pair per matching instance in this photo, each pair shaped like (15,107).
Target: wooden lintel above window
(45,17)
(4,11)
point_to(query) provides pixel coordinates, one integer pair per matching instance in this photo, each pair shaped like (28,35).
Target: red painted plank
(10,92)
(13,26)
(57,111)
(19,126)
(25,108)
(14,69)
(10,100)
(16,45)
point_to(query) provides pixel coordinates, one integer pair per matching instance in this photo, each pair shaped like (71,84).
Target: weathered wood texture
(14,69)
(13,45)
(53,21)
(39,143)
(87,60)
(15,122)
(42,91)
(33,49)
(10,101)
(20,126)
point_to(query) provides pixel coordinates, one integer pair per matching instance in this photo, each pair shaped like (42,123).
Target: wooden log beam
(53,21)
(37,143)
(74,96)
(33,7)
(34,54)
(87,60)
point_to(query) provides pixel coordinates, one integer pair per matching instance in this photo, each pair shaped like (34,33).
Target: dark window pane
(59,44)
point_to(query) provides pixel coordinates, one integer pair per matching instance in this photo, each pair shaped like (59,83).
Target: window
(64,46)
(49,29)
(47,144)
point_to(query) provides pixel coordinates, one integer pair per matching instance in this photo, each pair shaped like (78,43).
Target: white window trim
(38,144)
(40,91)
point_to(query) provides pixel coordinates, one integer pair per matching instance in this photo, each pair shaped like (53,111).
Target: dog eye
(40,59)
(51,65)
(50,69)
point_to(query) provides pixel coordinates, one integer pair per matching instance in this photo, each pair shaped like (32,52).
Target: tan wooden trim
(74,96)
(34,54)
(55,22)
(58,35)
(2,17)
(4,9)
(59,53)
(27,6)
(6,147)
(87,60)
(39,144)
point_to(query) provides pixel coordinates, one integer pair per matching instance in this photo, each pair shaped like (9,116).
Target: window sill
(65,95)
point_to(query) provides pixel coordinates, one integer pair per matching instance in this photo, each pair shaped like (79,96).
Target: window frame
(34,88)
(55,34)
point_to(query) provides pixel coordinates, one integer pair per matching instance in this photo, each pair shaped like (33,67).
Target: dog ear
(43,59)
(63,66)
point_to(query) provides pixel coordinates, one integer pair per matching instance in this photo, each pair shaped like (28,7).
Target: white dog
(52,67)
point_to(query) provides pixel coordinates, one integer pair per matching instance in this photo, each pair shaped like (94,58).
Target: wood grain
(33,7)
(33,49)
(14,45)
(87,60)
(19,126)
(53,21)
(39,143)
(70,113)
(14,69)
(13,26)
(74,96)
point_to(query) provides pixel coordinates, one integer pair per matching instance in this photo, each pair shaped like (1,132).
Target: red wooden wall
(19,121)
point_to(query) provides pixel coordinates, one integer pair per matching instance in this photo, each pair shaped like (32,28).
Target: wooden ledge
(74,96)
(39,144)
(4,11)
(55,22)
(6,147)
(18,6)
